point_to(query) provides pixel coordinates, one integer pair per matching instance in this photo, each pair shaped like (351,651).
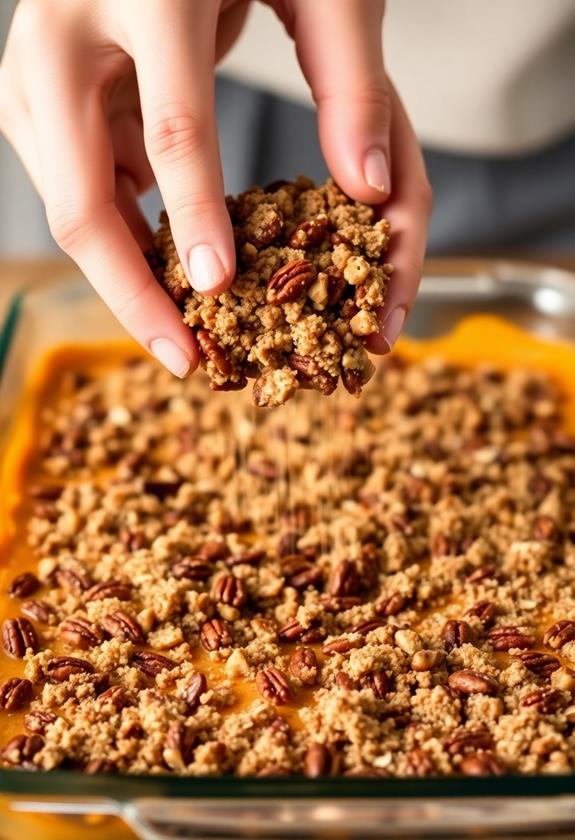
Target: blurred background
(490,90)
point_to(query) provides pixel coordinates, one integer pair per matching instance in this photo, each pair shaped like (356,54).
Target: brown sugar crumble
(382,588)
(311,276)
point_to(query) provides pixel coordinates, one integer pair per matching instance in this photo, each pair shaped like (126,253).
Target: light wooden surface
(22,273)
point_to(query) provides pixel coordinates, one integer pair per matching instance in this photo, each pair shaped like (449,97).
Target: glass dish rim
(127,787)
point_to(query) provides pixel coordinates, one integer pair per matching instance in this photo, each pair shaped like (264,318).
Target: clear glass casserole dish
(539,300)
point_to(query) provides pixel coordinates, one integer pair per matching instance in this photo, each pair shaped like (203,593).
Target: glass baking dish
(541,300)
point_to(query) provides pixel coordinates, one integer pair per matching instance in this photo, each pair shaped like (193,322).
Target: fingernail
(376,170)
(171,356)
(393,325)
(206,269)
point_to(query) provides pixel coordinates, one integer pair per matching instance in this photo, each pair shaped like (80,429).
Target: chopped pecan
(312,375)
(61,668)
(467,681)
(464,740)
(108,589)
(121,625)
(545,529)
(39,721)
(272,684)
(15,693)
(482,573)
(345,682)
(559,634)
(336,284)
(377,681)
(80,633)
(24,585)
(310,233)
(331,604)
(367,626)
(354,379)
(151,663)
(290,282)
(319,760)
(481,764)
(230,590)
(215,634)
(420,763)
(214,352)
(426,659)
(456,633)
(18,635)
(545,700)
(303,666)
(114,696)
(507,638)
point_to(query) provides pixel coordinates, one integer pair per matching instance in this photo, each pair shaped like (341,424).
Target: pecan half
(377,681)
(121,625)
(310,233)
(542,664)
(344,579)
(39,611)
(15,693)
(545,700)
(467,681)
(249,557)
(99,765)
(311,375)
(109,589)
(151,663)
(299,572)
(484,611)
(214,550)
(391,604)
(193,690)
(114,696)
(456,633)
(191,568)
(290,282)
(464,740)
(214,352)
(80,633)
(215,634)
(319,761)
(354,379)
(23,585)
(21,749)
(230,590)
(272,684)
(61,668)
(481,764)
(180,743)
(73,580)
(559,634)
(336,284)
(18,635)
(303,666)
(39,721)
(419,763)
(507,638)
(342,645)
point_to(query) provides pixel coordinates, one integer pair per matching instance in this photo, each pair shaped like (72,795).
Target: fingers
(78,183)
(339,45)
(408,212)
(174,51)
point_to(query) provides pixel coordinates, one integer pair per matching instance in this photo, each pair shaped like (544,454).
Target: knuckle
(69,225)
(129,299)
(175,135)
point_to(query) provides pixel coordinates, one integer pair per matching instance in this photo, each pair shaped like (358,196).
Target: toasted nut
(426,660)
(456,633)
(18,636)
(481,764)
(303,666)
(24,585)
(273,686)
(471,682)
(408,640)
(15,693)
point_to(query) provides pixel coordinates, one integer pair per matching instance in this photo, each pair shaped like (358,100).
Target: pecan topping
(300,572)
(542,664)
(230,590)
(179,749)
(345,682)
(484,611)
(191,568)
(342,645)
(39,721)
(420,763)
(303,666)
(546,700)
(559,634)
(456,633)
(311,375)
(114,696)
(319,761)
(465,740)
(214,550)
(378,682)
(344,579)
(331,604)
(18,635)
(121,625)
(15,693)
(272,684)
(481,764)
(151,663)
(162,489)
(109,589)
(249,557)
(336,284)
(80,633)
(73,580)
(290,282)
(24,585)
(46,492)
(193,690)
(212,351)
(391,604)
(215,634)
(426,660)
(354,379)
(507,638)
(99,765)
(545,529)
(472,682)
(21,749)
(38,610)
(310,233)
(61,668)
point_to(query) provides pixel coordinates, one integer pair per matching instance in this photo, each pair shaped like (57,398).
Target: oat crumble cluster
(311,275)
(388,592)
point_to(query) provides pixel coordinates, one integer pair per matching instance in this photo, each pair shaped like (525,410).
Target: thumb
(339,47)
